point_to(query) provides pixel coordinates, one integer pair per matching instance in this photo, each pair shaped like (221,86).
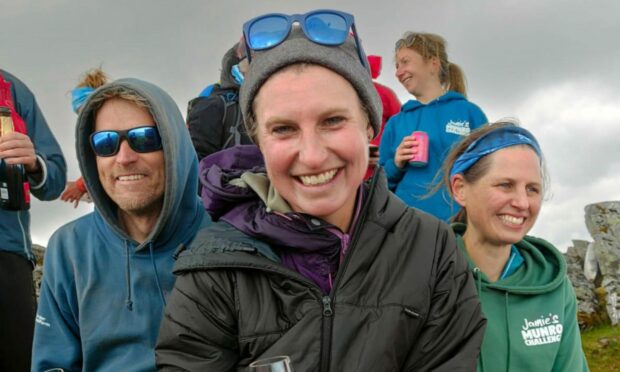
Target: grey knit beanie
(342,59)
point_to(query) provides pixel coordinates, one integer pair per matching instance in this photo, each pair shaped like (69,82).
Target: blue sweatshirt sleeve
(57,337)
(387,151)
(46,147)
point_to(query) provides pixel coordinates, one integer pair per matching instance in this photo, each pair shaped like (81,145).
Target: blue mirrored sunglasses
(141,139)
(325,27)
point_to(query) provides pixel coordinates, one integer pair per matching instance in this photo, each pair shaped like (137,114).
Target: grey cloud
(511,51)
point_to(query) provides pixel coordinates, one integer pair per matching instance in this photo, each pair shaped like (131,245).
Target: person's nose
(313,152)
(398,73)
(126,154)
(520,199)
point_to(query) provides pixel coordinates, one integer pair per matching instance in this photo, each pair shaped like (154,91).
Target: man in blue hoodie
(34,146)
(107,274)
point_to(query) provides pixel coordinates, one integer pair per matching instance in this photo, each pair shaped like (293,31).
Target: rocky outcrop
(594,267)
(590,313)
(603,222)
(588,304)
(37,273)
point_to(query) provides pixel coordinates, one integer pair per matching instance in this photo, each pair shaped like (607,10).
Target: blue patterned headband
(492,141)
(79,96)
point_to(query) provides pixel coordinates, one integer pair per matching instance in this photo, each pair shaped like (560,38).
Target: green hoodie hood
(543,271)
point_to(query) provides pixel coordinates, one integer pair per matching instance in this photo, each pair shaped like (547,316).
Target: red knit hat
(375,65)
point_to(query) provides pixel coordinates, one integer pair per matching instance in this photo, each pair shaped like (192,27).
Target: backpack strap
(234,116)
(6,99)
(232,119)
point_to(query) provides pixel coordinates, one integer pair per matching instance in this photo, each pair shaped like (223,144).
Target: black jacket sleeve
(205,122)
(199,328)
(453,332)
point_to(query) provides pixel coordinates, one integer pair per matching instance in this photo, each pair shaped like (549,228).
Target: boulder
(588,306)
(37,273)
(603,223)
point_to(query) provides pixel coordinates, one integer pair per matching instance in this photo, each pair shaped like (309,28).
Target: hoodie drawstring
(161,293)
(129,301)
(477,276)
(478,281)
(507,322)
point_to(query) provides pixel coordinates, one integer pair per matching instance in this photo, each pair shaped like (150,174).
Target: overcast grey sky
(555,65)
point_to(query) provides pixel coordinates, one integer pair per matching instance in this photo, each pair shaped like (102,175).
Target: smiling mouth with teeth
(133,177)
(318,179)
(512,220)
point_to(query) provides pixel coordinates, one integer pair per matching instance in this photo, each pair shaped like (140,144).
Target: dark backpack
(201,125)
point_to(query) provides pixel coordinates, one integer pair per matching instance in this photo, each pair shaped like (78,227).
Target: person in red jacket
(391,106)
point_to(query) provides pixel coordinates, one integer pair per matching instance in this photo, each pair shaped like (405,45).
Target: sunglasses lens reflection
(268,32)
(327,28)
(143,139)
(105,143)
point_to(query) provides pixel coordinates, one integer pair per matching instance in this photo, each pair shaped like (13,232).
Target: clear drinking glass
(280,363)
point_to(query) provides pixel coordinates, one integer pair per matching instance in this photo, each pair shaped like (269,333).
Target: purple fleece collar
(306,244)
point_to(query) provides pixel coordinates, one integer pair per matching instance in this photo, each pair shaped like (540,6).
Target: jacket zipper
(328,311)
(327,301)
(327,333)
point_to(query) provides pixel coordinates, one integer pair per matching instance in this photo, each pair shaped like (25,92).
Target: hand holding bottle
(14,186)
(17,148)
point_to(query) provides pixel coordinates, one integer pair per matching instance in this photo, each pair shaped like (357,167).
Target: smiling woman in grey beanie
(306,260)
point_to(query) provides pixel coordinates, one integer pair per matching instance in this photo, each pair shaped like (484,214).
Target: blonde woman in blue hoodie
(497,176)
(440,109)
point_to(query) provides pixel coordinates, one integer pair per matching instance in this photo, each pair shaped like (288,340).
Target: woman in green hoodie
(497,176)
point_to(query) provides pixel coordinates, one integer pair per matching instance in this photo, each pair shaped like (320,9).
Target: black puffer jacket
(403,300)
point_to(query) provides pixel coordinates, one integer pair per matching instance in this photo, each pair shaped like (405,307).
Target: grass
(602,348)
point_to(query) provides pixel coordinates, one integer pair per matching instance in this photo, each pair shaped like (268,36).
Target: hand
(17,148)
(72,194)
(405,151)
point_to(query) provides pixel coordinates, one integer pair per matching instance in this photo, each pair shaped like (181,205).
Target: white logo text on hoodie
(541,331)
(460,128)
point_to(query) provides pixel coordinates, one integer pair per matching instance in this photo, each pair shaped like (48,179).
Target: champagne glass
(280,363)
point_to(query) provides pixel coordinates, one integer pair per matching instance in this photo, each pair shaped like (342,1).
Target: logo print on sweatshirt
(41,320)
(542,331)
(460,128)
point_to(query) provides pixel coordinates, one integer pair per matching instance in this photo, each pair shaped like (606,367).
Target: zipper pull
(327,306)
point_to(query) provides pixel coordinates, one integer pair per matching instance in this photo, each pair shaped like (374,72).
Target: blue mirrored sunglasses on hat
(140,139)
(325,27)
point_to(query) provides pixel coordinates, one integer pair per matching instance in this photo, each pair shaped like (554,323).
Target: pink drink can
(420,159)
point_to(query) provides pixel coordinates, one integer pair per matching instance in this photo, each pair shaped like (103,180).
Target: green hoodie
(531,315)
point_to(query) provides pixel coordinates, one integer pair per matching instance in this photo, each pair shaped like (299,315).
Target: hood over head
(181,206)
(230,58)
